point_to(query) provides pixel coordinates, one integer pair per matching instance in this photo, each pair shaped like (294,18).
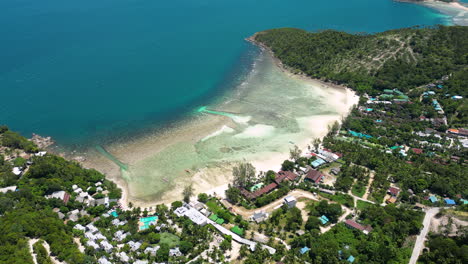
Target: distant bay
(91,72)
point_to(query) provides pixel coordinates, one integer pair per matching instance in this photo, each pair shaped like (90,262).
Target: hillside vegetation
(403,58)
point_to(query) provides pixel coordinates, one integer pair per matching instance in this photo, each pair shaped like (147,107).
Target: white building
(290,201)
(91,228)
(106,246)
(92,244)
(17,171)
(193,214)
(79,227)
(8,189)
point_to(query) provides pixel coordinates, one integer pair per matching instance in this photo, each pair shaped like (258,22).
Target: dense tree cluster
(403,58)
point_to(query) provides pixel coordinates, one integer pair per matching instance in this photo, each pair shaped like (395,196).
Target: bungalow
(350,259)
(8,189)
(433,199)
(353,224)
(91,228)
(61,195)
(106,246)
(17,171)
(103,260)
(449,201)
(123,257)
(120,235)
(417,151)
(74,215)
(90,236)
(324,219)
(134,246)
(92,244)
(393,191)
(259,217)
(151,250)
(285,175)
(79,227)
(315,176)
(304,250)
(290,201)
(175,252)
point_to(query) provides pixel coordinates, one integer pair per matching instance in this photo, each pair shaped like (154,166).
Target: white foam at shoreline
(256,131)
(224,129)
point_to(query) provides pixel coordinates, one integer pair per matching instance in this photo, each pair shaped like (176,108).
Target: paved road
(419,245)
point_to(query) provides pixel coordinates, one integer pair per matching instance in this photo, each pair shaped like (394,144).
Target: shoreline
(457,10)
(215,179)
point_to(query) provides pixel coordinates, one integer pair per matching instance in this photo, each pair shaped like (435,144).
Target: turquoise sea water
(87,72)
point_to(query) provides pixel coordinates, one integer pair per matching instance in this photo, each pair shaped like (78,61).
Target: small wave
(256,131)
(224,129)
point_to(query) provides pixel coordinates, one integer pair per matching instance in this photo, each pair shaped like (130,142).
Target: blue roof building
(350,259)
(317,163)
(433,199)
(449,201)
(464,201)
(304,250)
(324,220)
(440,86)
(114,214)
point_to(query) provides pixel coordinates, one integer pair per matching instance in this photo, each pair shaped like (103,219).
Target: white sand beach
(278,110)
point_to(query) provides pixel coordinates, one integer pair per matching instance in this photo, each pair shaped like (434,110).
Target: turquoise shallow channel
(92,72)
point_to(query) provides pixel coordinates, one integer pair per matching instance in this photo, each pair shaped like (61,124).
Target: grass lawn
(344,199)
(213,206)
(361,205)
(169,239)
(359,190)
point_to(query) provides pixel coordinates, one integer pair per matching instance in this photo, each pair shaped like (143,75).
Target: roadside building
(449,201)
(259,217)
(290,201)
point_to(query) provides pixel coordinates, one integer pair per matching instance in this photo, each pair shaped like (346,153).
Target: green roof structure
(237,230)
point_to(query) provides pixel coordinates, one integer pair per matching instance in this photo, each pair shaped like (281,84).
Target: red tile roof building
(417,150)
(394,191)
(258,193)
(352,224)
(285,175)
(315,176)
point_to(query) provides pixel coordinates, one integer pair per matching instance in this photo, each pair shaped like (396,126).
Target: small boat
(164,179)
(187,171)
(291,142)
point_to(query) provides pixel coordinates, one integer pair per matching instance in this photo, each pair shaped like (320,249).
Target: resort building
(193,214)
(315,176)
(285,175)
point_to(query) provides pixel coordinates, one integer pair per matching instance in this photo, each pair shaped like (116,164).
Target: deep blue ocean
(88,72)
